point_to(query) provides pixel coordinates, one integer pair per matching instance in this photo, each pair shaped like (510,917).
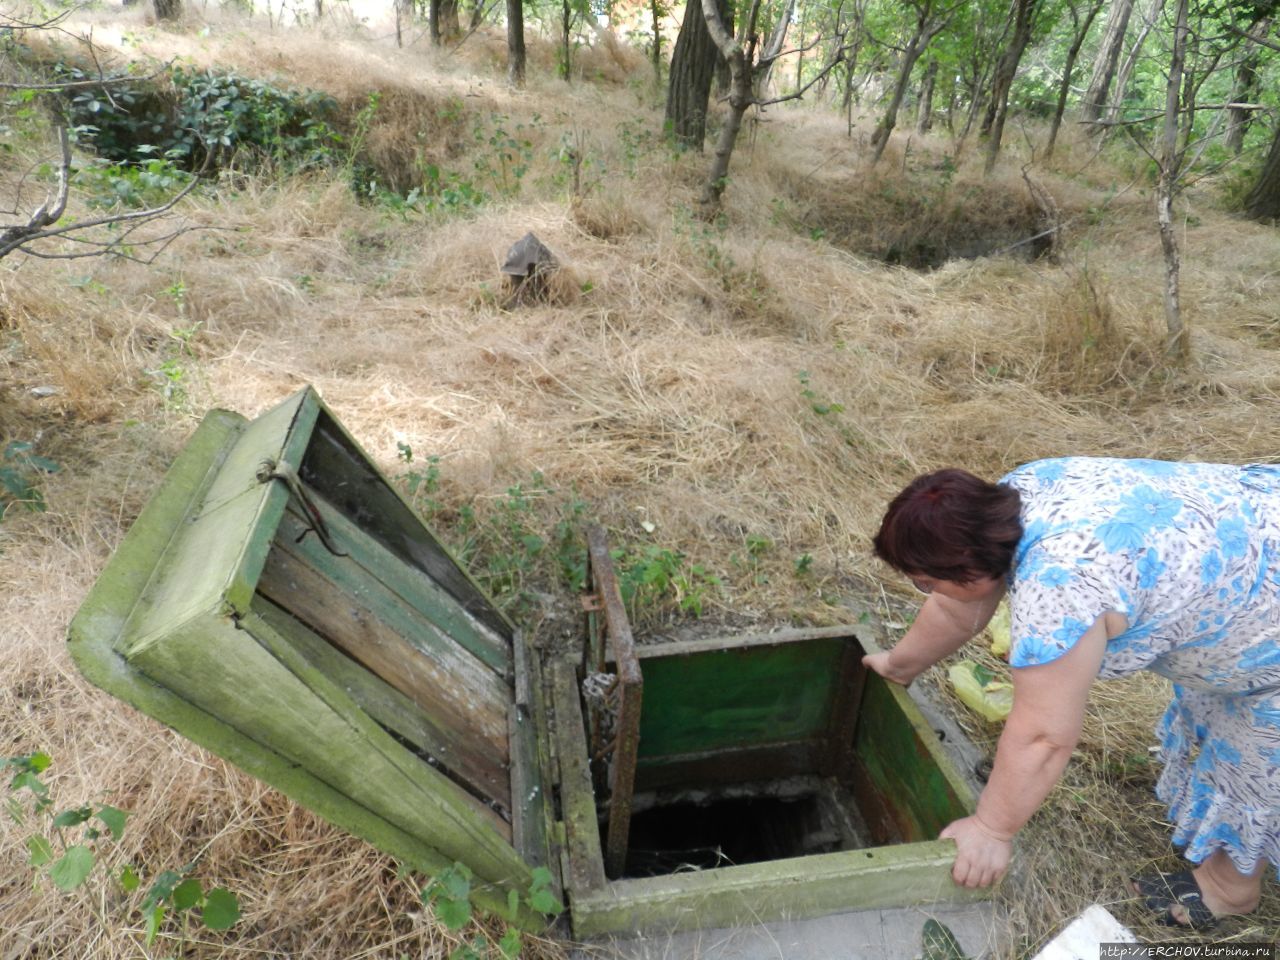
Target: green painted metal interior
(742,697)
(907,788)
(705,711)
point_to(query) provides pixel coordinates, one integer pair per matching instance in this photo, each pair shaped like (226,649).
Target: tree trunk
(404,17)
(655,13)
(167,9)
(1073,52)
(927,27)
(693,65)
(800,49)
(1006,69)
(740,64)
(1263,201)
(477,15)
(433,22)
(1246,88)
(880,137)
(450,24)
(773,46)
(1177,344)
(1131,59)
(515,43)
(566,48)
(924,111)
(1104,67)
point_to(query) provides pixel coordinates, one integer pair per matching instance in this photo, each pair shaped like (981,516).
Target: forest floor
(736,401)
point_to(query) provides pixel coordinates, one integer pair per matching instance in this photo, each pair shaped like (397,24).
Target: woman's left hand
(982,855)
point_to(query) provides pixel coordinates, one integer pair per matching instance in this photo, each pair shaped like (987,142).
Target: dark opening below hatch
(684,836)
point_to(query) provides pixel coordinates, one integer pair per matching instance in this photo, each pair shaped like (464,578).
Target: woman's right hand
(882,663)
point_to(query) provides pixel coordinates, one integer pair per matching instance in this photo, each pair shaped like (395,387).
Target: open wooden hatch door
(280,604)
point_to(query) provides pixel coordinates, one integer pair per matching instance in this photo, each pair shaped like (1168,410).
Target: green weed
(68,846)
(506,154)
(449,894)
(817,404)
(20,468)
(148,183)
(657,576)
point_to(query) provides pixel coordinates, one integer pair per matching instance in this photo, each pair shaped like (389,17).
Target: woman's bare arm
(942,627)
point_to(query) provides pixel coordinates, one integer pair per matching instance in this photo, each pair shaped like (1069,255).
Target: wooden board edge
(740,641)
(245,573)
(793,889)
(577,799)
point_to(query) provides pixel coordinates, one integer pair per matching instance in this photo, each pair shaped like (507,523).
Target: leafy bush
(199,110)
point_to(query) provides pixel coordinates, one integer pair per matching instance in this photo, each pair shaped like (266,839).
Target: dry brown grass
(663,383)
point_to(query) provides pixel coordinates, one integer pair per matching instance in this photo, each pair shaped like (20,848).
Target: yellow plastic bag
(1000,631)
(981,693)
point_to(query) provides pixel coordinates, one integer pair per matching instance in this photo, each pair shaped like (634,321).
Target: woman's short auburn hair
(951,525)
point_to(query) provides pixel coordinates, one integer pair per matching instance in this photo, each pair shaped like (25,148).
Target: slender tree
(1082,17)
(1104,66)
(924,110)
(1024,13)
(1246,86)
(1263,201)
(1169,163)
(1120,87)
(931,18)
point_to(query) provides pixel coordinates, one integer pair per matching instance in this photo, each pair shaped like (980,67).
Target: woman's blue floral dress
(1190,554)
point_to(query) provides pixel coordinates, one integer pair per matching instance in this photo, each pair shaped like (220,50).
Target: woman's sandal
(1166,890)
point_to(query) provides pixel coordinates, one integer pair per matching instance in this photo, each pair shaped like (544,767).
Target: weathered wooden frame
(898,874)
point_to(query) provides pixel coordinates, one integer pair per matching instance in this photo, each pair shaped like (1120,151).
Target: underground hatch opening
(747,825)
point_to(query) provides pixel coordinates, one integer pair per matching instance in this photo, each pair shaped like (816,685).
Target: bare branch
(1261,41)
(40,226)
(10,22)
(838,58)
(767,59)
(99,81)
(1160,116)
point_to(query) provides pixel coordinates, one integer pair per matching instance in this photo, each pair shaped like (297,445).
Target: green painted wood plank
(732,698)
(577,799)
(530,771)
(383,702)
(795,888)
(415,588)
(220,667)
(334,597)
(213,563)
(337,467)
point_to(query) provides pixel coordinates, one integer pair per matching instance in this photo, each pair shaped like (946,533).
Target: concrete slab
(863,935)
